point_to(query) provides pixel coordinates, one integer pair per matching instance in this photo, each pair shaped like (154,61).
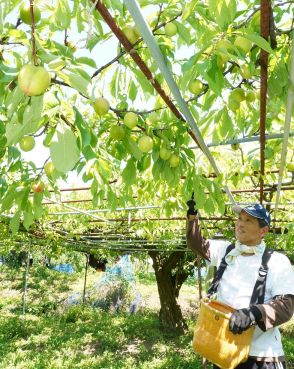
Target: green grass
(81,337)
(86,338)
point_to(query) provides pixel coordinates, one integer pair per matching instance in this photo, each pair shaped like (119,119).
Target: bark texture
(170,276)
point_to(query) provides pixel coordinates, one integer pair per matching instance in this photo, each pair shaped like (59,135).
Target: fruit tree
(83,100)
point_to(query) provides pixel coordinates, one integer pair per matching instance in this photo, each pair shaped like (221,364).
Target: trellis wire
(90,200)
(80,211)
(90,212)
(147,207)
(88,188)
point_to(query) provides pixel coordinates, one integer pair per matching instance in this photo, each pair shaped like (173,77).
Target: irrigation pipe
(274,136)
(155,51)
(289,108)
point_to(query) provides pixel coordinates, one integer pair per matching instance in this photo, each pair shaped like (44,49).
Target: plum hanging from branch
(33,80)
(25,14)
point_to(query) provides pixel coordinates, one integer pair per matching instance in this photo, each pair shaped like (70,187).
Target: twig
(33,33)
(123,51)
(244,23)
(65,37)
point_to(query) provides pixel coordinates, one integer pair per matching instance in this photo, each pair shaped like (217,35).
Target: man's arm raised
(195,240)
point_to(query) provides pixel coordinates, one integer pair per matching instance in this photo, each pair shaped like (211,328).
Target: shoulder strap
(259,288)
(219,273)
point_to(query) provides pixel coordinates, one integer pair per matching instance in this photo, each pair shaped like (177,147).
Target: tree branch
(123,52)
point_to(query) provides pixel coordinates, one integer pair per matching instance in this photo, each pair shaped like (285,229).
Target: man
(238,281)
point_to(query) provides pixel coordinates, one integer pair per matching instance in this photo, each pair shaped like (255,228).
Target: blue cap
(255,210)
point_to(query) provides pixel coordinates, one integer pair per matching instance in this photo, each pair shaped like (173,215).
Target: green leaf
(218,197)
(145,84)
(189,9)
(132,90)
(62,14)
(14,223)
(85,135)
(82,72)
(47,140)
(28,219)
(37,204)
(132,147)
(104,169)
(209,206)
(187,66)
(31,120)
(129,174)
(111,199)
(13,99)
(168,173)
(278,79)
(200,197)
(94,187)
(1,18)
(93,41)
(24,198)
(114,83)
(88,61)
(223,11)
(117,4)
(157,169)
(76,81)
(33,112)
(235,178)
(215,78)
(259,41)
(7,75)
(57,64)
(146,162)
(89,153)
(184,33)
(64,152)
(7,201)
(226,128)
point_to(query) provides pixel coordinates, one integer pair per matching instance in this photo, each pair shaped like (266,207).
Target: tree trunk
(170,277)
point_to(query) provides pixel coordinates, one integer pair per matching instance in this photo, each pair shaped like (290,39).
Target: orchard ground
(79,337)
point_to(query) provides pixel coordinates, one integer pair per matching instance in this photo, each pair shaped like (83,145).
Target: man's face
(247,230)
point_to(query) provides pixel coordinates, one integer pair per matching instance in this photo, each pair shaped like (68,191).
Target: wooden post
(85,279)
(25,288)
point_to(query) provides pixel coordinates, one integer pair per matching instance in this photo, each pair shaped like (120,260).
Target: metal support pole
(85,279)
(264,31)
